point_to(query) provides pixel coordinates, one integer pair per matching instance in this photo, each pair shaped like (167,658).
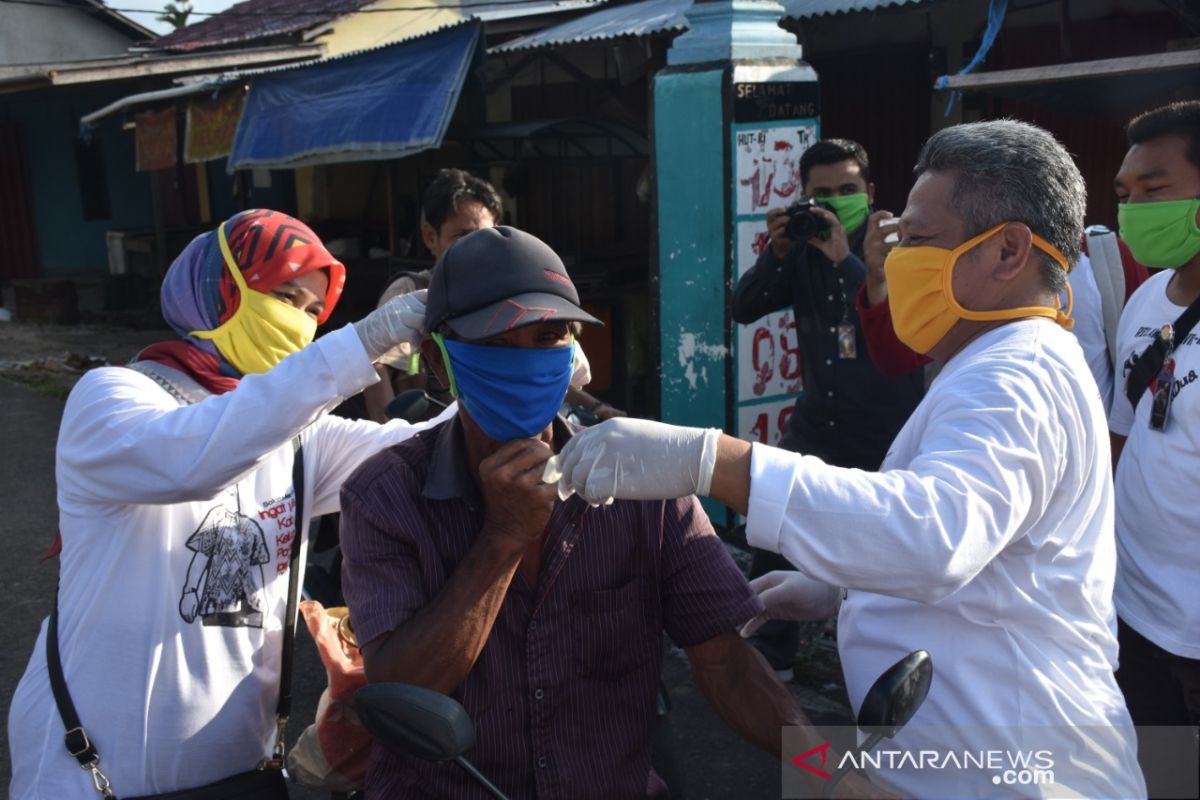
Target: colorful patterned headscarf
(270,248)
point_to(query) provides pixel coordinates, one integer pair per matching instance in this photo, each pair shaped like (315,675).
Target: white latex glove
(635,459)
(582,375)
(398,321)
(793,597)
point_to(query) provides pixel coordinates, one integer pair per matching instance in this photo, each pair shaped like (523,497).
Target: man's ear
(1016,252)
(871,194)
(429,236)
(432,354)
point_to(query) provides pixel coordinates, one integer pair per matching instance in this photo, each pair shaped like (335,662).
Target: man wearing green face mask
(1155,439)
(848,411)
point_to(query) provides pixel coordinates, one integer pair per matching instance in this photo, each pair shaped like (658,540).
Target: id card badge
(847,341)
(1164,382)
(1160,401)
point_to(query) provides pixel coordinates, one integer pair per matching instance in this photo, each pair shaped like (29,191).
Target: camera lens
(804,225)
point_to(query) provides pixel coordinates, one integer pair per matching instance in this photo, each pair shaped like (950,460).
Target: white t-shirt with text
(1157,485)
(177,524)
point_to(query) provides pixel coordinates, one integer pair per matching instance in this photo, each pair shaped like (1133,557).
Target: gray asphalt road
(716,764)
(28,426)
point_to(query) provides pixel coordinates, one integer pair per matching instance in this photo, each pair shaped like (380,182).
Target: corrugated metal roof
(649,17)
(802,9)
(142,64)
(390,21)
(340,43)
(643,18)
(257,19)
(276,69)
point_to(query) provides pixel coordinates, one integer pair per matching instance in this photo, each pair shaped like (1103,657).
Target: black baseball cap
(496,279)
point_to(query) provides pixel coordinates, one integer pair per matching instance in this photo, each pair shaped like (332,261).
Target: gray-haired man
(987,536)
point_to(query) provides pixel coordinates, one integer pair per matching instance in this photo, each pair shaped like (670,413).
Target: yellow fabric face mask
(921,293)
(263,331)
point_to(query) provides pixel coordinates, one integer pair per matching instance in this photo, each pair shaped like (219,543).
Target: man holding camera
(848,412)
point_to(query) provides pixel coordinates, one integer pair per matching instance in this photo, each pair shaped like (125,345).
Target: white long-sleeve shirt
(987,540)
(177,523)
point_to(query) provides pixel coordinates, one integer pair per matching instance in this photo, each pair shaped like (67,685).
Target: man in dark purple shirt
(466,574)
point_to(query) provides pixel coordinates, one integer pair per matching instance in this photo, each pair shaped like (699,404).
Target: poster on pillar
(768,350)
(767,161)
(774,120)
(769,373)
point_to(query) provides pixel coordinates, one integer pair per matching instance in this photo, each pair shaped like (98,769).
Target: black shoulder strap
(284,708)
(80,745)
(1146,366)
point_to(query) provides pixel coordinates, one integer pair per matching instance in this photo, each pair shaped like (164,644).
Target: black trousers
(1160,688)
(253,785)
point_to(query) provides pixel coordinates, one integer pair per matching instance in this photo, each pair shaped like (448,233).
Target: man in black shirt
(848,412)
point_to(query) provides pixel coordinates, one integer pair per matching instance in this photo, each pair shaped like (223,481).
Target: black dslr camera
(803,224)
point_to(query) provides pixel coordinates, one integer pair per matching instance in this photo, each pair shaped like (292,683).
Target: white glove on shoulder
(398,321)
(794,597)
(635,459)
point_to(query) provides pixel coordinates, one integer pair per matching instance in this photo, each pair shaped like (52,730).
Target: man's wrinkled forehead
(929,202)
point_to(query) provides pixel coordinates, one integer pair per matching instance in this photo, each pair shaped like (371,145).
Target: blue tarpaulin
(385,103)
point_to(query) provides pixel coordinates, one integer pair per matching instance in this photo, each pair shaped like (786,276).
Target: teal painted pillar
(733,111)
(693,236)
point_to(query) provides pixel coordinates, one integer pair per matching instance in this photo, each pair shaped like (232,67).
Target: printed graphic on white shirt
(225,579)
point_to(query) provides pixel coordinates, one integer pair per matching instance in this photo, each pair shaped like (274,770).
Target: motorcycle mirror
(895,697)
(411,405)
(416,721)
(890,703)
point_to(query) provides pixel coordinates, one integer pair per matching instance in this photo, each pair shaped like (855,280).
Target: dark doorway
(16,211)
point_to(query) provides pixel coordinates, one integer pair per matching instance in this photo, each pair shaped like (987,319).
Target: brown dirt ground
(50,358)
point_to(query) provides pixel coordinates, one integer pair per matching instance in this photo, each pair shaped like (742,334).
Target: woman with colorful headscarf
(177,514)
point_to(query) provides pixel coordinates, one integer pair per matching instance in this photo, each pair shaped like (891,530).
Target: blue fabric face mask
(511,392)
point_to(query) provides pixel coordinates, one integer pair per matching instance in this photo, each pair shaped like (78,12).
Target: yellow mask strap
(1063,318)
(227,255)
(231,265)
